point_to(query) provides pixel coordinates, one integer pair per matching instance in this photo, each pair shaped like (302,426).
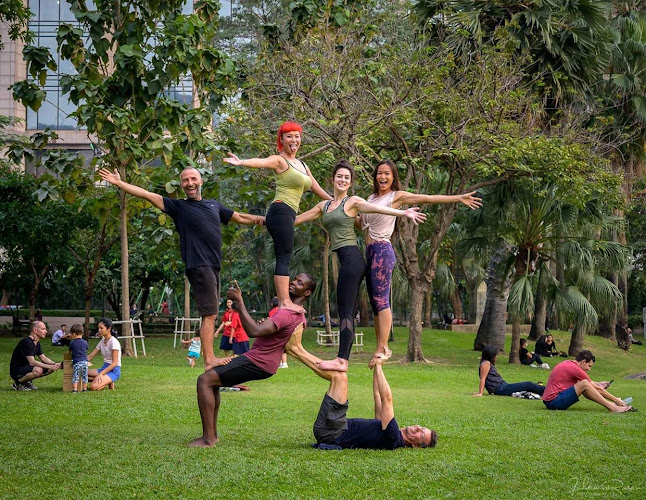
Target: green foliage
(15,15)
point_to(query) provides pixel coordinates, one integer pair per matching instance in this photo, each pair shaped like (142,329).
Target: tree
(127,86)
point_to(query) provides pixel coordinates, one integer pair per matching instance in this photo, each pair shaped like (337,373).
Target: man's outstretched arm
(114,178)
(384,410)
(253,329)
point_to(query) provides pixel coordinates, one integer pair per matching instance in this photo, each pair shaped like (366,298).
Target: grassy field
(131,443)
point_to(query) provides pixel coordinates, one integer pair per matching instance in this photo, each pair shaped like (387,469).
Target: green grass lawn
(132,442)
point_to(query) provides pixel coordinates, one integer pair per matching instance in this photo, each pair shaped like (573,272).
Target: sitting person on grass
(110,350)
(259,363)
(528,358)
(570,379)
(24,367)
(546,347)
(333,430)
(491,380)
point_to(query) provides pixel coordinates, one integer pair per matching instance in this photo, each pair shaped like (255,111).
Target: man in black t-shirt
(24,366)
(198,222)
(333,430)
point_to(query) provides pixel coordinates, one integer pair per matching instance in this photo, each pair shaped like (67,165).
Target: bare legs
(208,400)
(383,324)
(207,332)
(589,391)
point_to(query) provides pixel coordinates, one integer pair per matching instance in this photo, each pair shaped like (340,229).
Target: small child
(78,348)
(193,350)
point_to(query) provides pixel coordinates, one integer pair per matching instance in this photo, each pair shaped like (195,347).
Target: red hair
(285,128)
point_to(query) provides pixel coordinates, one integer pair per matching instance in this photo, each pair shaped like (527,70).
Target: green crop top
(290,185)
(339,226)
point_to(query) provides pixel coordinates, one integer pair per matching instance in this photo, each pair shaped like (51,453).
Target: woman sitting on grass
(110,350)
(494,383)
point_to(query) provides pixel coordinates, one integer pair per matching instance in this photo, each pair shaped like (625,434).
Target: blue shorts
(564,400)
(115,374)
(195,355)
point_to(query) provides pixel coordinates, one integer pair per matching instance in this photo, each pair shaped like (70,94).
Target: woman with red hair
(293,177)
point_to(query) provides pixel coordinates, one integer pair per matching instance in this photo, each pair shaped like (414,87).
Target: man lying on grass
(260,362)
(333,430)
(569,380)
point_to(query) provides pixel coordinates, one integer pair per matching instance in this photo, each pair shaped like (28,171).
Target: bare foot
(288,304)
(336,365)
(621,409)
(296,340)
(202,443)
(217,362)
(385,352)
(377,359)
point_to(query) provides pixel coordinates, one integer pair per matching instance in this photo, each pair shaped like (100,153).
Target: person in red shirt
(240,337)
(259,363)
(227,329)
(569,380)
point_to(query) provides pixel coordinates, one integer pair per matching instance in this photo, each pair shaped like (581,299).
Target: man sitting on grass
(260,362)
(569,380)
(333,430)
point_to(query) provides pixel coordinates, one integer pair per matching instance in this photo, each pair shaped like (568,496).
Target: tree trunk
(456,304)
(4,301)
(540,314)
(364,309)
(514,359)
(607,326)
(414,351)
(125,276)
(326,285)
(428,307)
(576,343)
(494,319)
(560,276)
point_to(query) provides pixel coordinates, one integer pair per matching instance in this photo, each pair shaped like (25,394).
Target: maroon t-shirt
(266,351)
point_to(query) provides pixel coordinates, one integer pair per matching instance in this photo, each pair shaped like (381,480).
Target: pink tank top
(380,226)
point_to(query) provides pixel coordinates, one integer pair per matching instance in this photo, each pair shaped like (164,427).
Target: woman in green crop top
(337,217)
(292,179)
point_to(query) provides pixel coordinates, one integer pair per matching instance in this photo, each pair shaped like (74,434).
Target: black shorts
(21,371)
(331,421)
(240,370)
(205,284)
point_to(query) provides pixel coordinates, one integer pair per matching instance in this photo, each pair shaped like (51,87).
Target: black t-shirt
(198,224)
(25,347)
(367,433)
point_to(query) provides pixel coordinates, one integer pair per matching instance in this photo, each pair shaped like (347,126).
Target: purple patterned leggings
(381,262)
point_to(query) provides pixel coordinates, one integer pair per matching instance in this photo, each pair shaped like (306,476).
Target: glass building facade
(54,111)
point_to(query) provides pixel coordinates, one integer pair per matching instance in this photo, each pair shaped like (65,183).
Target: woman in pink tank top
(379,229)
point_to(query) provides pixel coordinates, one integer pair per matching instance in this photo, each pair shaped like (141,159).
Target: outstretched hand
(111,177)
(415,215)
(232,160)
(235,294)
(471,201)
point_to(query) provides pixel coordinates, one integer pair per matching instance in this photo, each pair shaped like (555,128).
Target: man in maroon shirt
(569,380)
(260,362)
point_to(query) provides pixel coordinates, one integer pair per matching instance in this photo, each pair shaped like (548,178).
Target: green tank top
(290,185)
(339,226)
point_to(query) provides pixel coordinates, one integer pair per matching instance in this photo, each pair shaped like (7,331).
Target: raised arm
(484,371)
(312,214)
(253,329)
(273,162)
(248,219)
(316,188)
(114,178)
(357,204)
(406,198)
(383,396)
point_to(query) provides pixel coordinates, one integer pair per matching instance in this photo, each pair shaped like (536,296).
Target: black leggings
(351,271)
(280,224)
